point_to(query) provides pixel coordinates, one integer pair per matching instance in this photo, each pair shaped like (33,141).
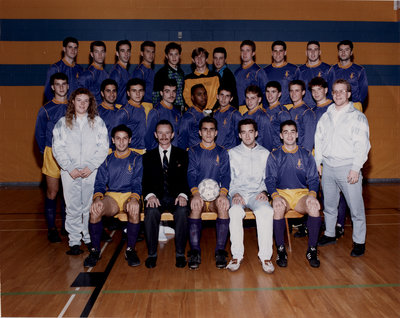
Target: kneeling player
(292,179)
(208,160)
(121,175)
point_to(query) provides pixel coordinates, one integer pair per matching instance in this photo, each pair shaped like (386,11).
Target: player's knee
(236,211)
(133,216)
(279,213)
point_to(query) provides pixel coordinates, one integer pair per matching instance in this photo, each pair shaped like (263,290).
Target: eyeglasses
(338,92)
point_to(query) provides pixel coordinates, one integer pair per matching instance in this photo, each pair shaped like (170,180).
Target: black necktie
(165,171)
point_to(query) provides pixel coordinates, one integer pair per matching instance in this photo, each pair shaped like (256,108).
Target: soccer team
(127,140)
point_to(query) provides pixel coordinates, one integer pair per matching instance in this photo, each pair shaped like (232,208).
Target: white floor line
(71,298)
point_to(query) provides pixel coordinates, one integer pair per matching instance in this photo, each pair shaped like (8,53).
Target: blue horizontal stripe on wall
(35,75)
(198,30)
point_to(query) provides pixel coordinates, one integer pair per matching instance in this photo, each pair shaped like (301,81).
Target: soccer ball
(209,189)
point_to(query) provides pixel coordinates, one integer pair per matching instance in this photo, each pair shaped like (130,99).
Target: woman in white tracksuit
(80,145)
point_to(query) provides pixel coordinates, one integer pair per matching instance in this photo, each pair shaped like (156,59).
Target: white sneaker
(161,235)
(234,264)
(267,266)
(168,230)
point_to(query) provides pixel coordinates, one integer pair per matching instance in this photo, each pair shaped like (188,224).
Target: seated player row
(249,73)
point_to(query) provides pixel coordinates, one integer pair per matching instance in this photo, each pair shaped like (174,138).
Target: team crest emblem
(130,168)
(319,74)
(217,160)
(299,164)
(225,122)
(287,74)
(351,75)
(176,119)
(296,118)
(247,76)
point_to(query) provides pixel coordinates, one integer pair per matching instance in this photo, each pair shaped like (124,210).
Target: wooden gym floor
(36,276)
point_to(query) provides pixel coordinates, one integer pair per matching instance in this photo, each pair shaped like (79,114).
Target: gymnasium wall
(32,31)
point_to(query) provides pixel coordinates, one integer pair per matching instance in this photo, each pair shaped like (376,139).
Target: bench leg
(288,235)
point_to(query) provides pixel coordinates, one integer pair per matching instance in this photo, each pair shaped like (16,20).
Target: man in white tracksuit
(80,145)
(247,189)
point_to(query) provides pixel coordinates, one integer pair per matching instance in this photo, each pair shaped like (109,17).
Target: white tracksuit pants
(78,195)
(264,220)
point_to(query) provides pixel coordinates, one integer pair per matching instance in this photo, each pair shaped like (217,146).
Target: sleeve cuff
(194,190)
(274,195)
(98,195)
(134,195)
(223,191)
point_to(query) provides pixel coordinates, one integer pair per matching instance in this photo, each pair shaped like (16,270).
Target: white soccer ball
(209,189)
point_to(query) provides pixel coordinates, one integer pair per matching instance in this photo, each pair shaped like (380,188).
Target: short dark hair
(287,123)
(317,81)
(274,84)
(249,43)
(169,82)
(106,82)
(135,81)
(194,87)
(60,76)
(247,121)
(97,43)
(220,49)
(173,46)
(345,42)
(147,43)
(70,39)
(121,127)
(164,122)
(123,42)
(225,88)
(208,119)
(298,82)
(278,42)
(254,89)
(313,42)
(342,81)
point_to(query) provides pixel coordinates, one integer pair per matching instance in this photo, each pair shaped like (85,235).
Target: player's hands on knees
(353,177)
(153,202)
(181,201)
(279,203)
(262,196)
(132,206)
(223,202)
(75,174)
(97,207)
(312,203)
(238,199)
(86,172)
(197,202)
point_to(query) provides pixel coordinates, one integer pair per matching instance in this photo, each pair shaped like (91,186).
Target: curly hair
(91,111)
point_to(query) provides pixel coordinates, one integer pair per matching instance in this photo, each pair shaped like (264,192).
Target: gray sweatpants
(334,180)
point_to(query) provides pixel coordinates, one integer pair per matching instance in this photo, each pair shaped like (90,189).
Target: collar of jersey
(275,66)
(288,151)
(207,148)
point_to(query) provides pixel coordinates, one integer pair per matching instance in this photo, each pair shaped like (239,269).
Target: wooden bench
(211,216)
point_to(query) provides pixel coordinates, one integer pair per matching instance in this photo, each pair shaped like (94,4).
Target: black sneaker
(74,250)
(358,250)
(339,231)
(312,256)
(301,231)
(89,246)
(52,236)
(92,259)
(326,240)
(220,258)
(194,259)
(281,259)
(131,257)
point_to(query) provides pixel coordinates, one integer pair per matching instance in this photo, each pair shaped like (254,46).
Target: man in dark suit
(165,188)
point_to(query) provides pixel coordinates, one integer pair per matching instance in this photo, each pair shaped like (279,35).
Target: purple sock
(194,233)
(132,232)
(95,230)
(342,210)
(50,212)
(222,229)
(279,232)
(313,225)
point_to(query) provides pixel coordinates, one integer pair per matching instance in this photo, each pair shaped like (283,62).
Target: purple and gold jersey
(228,119)
(189,128)
(265,133)
(91,79)
(120,74)
(146,74)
